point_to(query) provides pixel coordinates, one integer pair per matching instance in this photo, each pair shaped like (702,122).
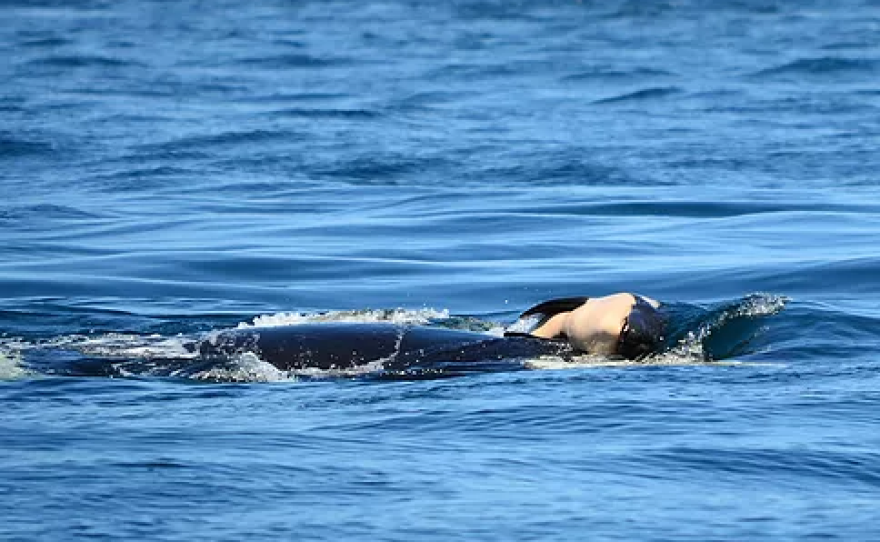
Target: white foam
(248,367)
(395,316)
(10,362)
(665,359)
(759,305)
(349,372)
(586,360)
(594,360)
(124,345)
(496,330)
(245,367)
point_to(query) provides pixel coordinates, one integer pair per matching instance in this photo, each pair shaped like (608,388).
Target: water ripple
(795,467)
(324,113)
(83,61)
(642,95)
(13,147)
(823,66)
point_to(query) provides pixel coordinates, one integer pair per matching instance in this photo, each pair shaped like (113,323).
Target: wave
(324,113)
(228,138)
(377,169)
(293,61)
(83,61)
(705,209)
(798,466)
(293,97)
(822,66)
(722,333)
(141,179)
(476,71)
(28,216)
(605,74)
(47,42)
(653,93)
(558,169)
(647,10)
(13,147)
(433,98)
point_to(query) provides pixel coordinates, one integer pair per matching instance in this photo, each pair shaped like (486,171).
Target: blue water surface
(168,169)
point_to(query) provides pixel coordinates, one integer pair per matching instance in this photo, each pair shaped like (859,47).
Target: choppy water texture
(173,168)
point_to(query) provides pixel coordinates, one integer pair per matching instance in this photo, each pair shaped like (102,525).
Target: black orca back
(347,345)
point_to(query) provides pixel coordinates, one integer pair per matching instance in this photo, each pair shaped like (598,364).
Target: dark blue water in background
(171,168)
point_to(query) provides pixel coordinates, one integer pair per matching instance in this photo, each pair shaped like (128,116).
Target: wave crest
(726,331)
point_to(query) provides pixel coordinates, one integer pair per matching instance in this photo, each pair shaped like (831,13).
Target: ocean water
(170,169)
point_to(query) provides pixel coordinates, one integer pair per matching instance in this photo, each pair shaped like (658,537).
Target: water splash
(245,367)
(723,332)
(394,316)
(10,362)
(248,367)
(125,345)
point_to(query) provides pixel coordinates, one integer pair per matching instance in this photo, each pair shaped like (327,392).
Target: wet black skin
(347,345)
